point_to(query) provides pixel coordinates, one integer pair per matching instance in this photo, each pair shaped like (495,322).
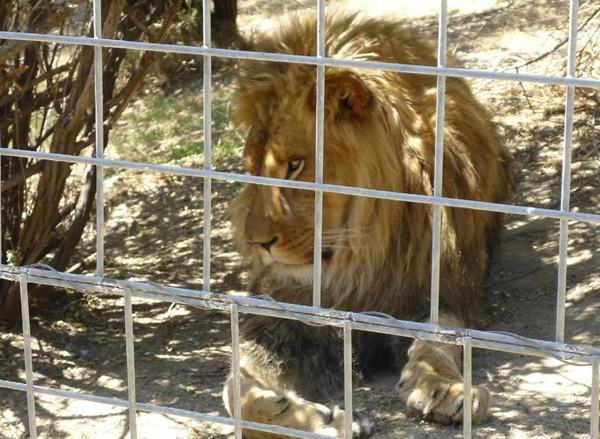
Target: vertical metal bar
(566,177)
(435,264)
(207,103)
(594,427)
(1,210)
(99,113)
(348,378)
(439,165)
(130,363)
(235,366)
(28,356)
(467,387)
(320,118)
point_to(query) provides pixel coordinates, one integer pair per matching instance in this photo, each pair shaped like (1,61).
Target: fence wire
(264,305)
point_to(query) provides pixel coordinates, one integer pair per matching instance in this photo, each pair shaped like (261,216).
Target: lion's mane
(384,139)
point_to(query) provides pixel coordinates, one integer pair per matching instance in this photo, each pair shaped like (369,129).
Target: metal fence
(205,299)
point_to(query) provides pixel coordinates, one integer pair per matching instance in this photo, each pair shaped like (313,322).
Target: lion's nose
(266,245)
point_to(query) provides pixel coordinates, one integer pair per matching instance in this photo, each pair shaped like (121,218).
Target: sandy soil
(154,232)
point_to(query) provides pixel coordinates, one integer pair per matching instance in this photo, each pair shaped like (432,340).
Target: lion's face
(279,222)
(276,225)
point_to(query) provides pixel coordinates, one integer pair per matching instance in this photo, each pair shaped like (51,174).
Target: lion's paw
(289,410)
(440,400)
(361,425)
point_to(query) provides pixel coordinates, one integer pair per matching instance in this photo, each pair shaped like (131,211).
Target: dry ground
(154,232)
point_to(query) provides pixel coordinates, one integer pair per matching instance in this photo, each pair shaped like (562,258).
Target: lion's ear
(346,97)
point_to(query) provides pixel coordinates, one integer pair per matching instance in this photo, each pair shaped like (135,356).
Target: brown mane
(379,134)
(384,139)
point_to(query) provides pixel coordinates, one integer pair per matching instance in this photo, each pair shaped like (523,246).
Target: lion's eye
(295,167)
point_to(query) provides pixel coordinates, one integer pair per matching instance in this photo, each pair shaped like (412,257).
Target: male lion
(379,134)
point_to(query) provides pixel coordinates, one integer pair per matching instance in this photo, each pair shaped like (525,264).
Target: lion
(379,134)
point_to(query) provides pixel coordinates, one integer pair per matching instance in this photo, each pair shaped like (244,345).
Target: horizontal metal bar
(481,339)
(322,316)
(151,408)
(299,59)
(331,188)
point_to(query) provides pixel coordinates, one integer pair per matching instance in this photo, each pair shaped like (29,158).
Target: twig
(70,304)
(492,16)
(582,185)
(140,25)
(9,50)
(81,265)
(526,95)
(595,148)
(513,278)
(559,45)
(589,41)
(528,160)
(47,75)
(21,177)
(304,5)
(594,140)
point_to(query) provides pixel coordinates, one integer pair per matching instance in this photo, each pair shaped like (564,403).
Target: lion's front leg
(286,409)
(432,383)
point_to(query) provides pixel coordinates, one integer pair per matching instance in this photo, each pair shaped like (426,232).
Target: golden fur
(379,134)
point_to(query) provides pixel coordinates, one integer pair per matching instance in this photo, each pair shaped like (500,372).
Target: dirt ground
(154,232)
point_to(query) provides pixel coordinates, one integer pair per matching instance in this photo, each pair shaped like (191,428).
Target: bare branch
(16,95)
(127,92)
(9,50)
(559,45)
(20,178)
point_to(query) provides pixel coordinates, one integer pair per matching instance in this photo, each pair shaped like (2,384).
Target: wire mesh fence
(260,305)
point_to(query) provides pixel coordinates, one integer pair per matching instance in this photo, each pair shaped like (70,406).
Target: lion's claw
(441,400)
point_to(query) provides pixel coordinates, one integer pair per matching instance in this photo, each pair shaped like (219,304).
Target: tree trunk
(225,12)
(38,84)
(224,27)
(83,210)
